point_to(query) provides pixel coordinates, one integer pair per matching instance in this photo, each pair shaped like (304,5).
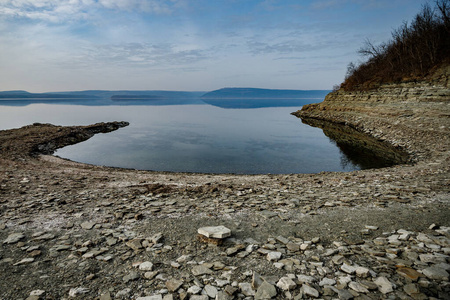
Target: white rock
(184,258)
(309,291)
(194,290)
(265,291)
(327,281)
(384,285)
(246,289)
(356,286)
(305,279)
(348,269)
(37,293)
(24,261)
(435,273)
(146,266)
(74,292)
(362,272)
(217,232)
(13,238)
(273,256)
(154,297)
(211,291)
(286,283)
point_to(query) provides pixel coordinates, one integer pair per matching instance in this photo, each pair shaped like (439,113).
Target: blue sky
(192,45)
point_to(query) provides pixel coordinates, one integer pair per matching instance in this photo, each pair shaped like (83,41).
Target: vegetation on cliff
(413,53)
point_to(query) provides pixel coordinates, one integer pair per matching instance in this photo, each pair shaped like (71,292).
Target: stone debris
(266,291)
(86,234)
(14,238)
(216,232)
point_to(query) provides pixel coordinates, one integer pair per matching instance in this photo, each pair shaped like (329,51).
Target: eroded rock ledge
(40,138)
(413,117)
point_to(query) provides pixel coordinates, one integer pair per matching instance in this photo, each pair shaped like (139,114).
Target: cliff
(412,116)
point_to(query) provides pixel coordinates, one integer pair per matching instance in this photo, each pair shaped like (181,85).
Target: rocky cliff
(412,116)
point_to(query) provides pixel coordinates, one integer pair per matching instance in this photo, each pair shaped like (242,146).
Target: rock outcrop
(411,116)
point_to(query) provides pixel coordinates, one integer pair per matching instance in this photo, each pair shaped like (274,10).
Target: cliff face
(412,116)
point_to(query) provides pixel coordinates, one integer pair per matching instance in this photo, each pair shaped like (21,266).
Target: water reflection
(187,135)
(358,148)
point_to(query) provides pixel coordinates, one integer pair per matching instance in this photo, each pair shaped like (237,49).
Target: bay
(192,138)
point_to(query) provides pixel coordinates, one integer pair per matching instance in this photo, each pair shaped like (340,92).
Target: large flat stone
(217,232)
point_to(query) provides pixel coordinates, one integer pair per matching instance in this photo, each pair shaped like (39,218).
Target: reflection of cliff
(360,149)
(257,103)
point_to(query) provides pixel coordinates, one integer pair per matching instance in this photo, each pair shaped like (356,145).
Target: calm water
(192,138)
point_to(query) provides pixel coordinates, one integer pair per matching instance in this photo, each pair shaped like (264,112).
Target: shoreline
(84,228)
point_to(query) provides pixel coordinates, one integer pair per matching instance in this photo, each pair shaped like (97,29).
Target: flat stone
(411,289)
(13,238)
(135,244)
(293,247)
(24,261)
(348,269)
(74,292)
(211,291)
(286,283)
(362,272)
(47,236)
(273,256)
(345,295)
(87,225)
(282,239)
(246,289)
(435,273)
(194,290)
(305,278)
(131,276)
(223,296)
(150,275)
(265,291)
(256,280)
(199,297)
(37,293)
(309,291)
(174,284)
(146,266)
(327,281)
(384,285)
(409,273)
(217,232)
(201,270)
(105,296)
(154,297)
(356,286)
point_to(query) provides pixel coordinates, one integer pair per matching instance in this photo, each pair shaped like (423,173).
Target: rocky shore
(76,231)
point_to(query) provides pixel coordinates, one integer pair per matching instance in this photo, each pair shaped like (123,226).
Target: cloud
(149,6)
(139,55)
(56,11)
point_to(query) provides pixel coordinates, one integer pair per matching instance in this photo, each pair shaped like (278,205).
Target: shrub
(412,53)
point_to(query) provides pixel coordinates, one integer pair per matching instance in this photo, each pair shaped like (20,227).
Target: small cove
(197,138)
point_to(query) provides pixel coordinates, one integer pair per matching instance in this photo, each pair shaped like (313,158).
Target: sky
(188,45)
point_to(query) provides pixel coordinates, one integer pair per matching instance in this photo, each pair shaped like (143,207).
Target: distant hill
(27,95)
(136,97)
(225,98)
(101,94)
(101,97)
(258,98)
(255,93)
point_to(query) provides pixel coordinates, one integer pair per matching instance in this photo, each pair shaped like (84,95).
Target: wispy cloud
(140,54)
(85,43)
(64,10)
